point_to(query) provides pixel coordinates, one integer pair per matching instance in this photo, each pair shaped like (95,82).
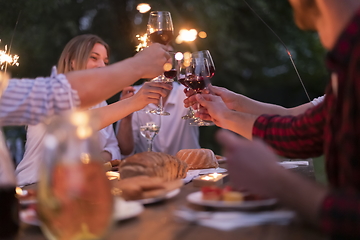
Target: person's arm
(214,109)
(102,83)
(149,93)
(241,103)
(124,133)
(30,101)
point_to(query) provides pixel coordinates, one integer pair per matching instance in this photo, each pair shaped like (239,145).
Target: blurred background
(249,59)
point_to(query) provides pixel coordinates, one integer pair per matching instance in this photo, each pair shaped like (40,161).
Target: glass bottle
(74,194)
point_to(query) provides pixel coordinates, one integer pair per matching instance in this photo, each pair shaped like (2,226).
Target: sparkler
(143,42)
(7,59)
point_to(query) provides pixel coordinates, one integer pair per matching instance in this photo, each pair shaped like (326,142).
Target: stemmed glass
(160,30)
(182,72)
(200,72)
(149,126)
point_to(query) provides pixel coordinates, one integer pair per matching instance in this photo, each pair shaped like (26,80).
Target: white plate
(27,201)
(29,216)
(122,210)
(126,209)
(169,195)
(212,170)
(196,198)
(288,165)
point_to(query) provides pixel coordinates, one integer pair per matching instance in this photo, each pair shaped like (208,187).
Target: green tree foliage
(249,59)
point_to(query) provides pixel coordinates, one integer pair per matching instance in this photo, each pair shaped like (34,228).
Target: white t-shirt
(27,171)
(175,133)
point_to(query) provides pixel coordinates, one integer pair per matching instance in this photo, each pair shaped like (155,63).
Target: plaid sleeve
(340,215)
(293,136)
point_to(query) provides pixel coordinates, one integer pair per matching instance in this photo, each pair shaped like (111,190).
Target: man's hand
(252,164)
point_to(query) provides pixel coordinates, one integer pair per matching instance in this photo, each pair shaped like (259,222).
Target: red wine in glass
(171,73)
(196,83)
(183,82)
(162,37)
(212,71)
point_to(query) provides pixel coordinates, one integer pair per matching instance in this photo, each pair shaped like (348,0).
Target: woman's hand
(151,92)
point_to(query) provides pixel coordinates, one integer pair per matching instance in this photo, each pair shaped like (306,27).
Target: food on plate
(112,165)
(227,194)
(142,187)
(198,158)
(153,164)
(232,196)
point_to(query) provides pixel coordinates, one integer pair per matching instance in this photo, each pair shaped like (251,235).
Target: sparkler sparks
(143,40)
(7,59)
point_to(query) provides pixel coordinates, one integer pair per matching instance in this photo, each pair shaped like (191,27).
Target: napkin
(227,221)
(191,174)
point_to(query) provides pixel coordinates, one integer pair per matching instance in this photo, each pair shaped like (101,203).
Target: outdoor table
(158,222)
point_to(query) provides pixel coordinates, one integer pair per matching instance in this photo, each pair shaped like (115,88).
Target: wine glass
(160,30)
(149,126)
(200,72)
(182,64)
(74,194)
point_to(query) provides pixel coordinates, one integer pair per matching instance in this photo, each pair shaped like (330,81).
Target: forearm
(114,112)
(239,122)
(102,83)
(125,136)
(251,106)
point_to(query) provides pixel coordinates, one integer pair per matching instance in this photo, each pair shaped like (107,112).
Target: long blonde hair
(77,51)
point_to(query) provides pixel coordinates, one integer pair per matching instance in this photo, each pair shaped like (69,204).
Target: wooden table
(157,222)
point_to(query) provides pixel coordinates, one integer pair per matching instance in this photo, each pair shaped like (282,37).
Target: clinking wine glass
(182,66)
(160,30)
(74,194)
(199,74)
(149,126)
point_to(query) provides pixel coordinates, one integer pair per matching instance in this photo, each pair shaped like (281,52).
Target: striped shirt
(30,101)
(333,128)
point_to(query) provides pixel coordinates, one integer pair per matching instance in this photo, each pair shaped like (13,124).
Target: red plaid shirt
(332,128)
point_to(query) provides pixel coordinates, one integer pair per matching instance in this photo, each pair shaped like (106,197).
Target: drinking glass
(199,74)
(74,194)
(149,126)
(182,64)
(9,204)
(160,30)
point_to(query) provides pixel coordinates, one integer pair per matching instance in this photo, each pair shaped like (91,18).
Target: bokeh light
(143,7)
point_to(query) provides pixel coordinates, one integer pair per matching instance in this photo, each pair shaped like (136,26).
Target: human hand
(127,92)
(152,59)
(229,97)
(252,165)
(212,108)
(151,92)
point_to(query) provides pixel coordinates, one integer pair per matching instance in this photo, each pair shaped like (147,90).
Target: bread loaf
(153,164)
(198,158)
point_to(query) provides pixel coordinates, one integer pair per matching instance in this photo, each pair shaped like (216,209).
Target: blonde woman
(85,52)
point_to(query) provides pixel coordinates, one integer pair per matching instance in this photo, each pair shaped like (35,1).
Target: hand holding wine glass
(198,76)
(160,30)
